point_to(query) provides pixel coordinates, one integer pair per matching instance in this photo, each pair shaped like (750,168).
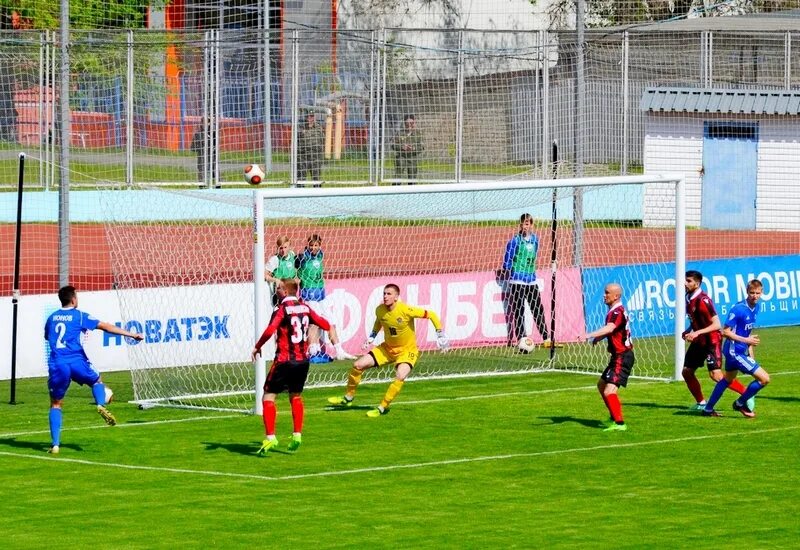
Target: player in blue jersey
(68,361)
(519,275)
(738,352)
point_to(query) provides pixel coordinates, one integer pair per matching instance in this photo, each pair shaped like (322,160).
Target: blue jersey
(741,320)
(520,259)
(63,330)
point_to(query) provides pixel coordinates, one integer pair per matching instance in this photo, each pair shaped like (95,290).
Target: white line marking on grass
(309,410)
(135,467)
(325,409)
(507,394)
(128,424)
(398,466)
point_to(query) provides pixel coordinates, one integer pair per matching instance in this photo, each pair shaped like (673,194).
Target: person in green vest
(519,274)
(310,272)
(310,150)
(407,146)
(280,266)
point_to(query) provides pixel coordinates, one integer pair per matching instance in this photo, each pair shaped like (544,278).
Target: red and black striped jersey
(289,324)
(701,311)
(619,340)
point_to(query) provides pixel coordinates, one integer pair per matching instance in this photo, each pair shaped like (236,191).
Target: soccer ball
(526,345)
(253,174)
(109,395)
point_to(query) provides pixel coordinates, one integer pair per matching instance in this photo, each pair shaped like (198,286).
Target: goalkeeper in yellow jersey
(399,347)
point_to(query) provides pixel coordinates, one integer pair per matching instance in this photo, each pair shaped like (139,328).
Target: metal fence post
(129,114)
(459,106)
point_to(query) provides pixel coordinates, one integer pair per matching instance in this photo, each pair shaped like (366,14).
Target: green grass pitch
(516,461)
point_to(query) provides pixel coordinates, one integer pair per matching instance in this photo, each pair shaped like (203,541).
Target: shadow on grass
(648,405)
(43,447)
(781,398)
(340,408)
(245,449)
(589,423)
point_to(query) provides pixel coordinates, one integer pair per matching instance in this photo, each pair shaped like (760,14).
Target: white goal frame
(261,292)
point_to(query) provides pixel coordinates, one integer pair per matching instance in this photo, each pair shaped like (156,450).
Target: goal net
(194,283)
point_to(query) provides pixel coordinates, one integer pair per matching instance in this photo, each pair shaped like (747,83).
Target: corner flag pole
(15,287)
(553,252)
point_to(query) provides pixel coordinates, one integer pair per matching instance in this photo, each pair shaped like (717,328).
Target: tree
(607,13)
(84,14)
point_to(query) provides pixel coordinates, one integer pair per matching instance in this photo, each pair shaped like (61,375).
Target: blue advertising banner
(649,290)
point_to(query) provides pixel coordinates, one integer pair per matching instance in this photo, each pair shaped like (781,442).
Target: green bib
(285,269)
(525,257)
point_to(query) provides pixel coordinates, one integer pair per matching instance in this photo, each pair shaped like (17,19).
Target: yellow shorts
(383,355)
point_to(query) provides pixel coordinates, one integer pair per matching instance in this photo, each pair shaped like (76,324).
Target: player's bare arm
(599,334)
(114,329)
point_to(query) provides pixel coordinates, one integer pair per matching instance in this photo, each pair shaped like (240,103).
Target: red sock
(736,386)
(614,406)
(605,400)
(694,386)
(270,412)
(297,413)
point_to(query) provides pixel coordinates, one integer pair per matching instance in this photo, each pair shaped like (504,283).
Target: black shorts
(697,354)
(288,376)
(619,368)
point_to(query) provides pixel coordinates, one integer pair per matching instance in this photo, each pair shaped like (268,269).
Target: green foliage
(500,462)
(86,14)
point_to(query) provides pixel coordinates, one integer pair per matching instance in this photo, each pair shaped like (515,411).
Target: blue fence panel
(649,290)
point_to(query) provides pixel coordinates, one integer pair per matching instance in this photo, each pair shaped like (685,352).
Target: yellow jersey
(398,325)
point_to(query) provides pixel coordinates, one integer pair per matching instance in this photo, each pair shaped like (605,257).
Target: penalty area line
(375,469)
(529,455)
(309,410)
(325,409)
(137,467)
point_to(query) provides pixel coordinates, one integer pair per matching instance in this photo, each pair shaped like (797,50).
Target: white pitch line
(324,409)
(507,394)
(128,425)
(398,466)
(308,411)
(135,467)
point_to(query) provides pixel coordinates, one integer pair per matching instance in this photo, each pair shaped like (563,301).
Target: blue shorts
(61,374)
(741,362)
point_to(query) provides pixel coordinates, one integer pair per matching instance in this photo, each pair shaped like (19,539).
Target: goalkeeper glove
(441,340)
(367,343)
(341,354)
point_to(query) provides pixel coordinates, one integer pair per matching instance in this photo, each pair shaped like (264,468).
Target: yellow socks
(391,393)
(353,380)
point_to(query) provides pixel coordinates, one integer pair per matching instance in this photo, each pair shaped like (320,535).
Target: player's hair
(525,218)
(393,286)
(66,294)
(754,284)
(314,238)
(409,117)
(694,275)
(289,286)
(281,241)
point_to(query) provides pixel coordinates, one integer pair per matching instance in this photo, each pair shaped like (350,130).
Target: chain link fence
(194,108)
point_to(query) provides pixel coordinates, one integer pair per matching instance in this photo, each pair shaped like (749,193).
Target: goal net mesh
(187,282)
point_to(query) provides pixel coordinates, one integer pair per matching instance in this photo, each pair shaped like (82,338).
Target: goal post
(442,244)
